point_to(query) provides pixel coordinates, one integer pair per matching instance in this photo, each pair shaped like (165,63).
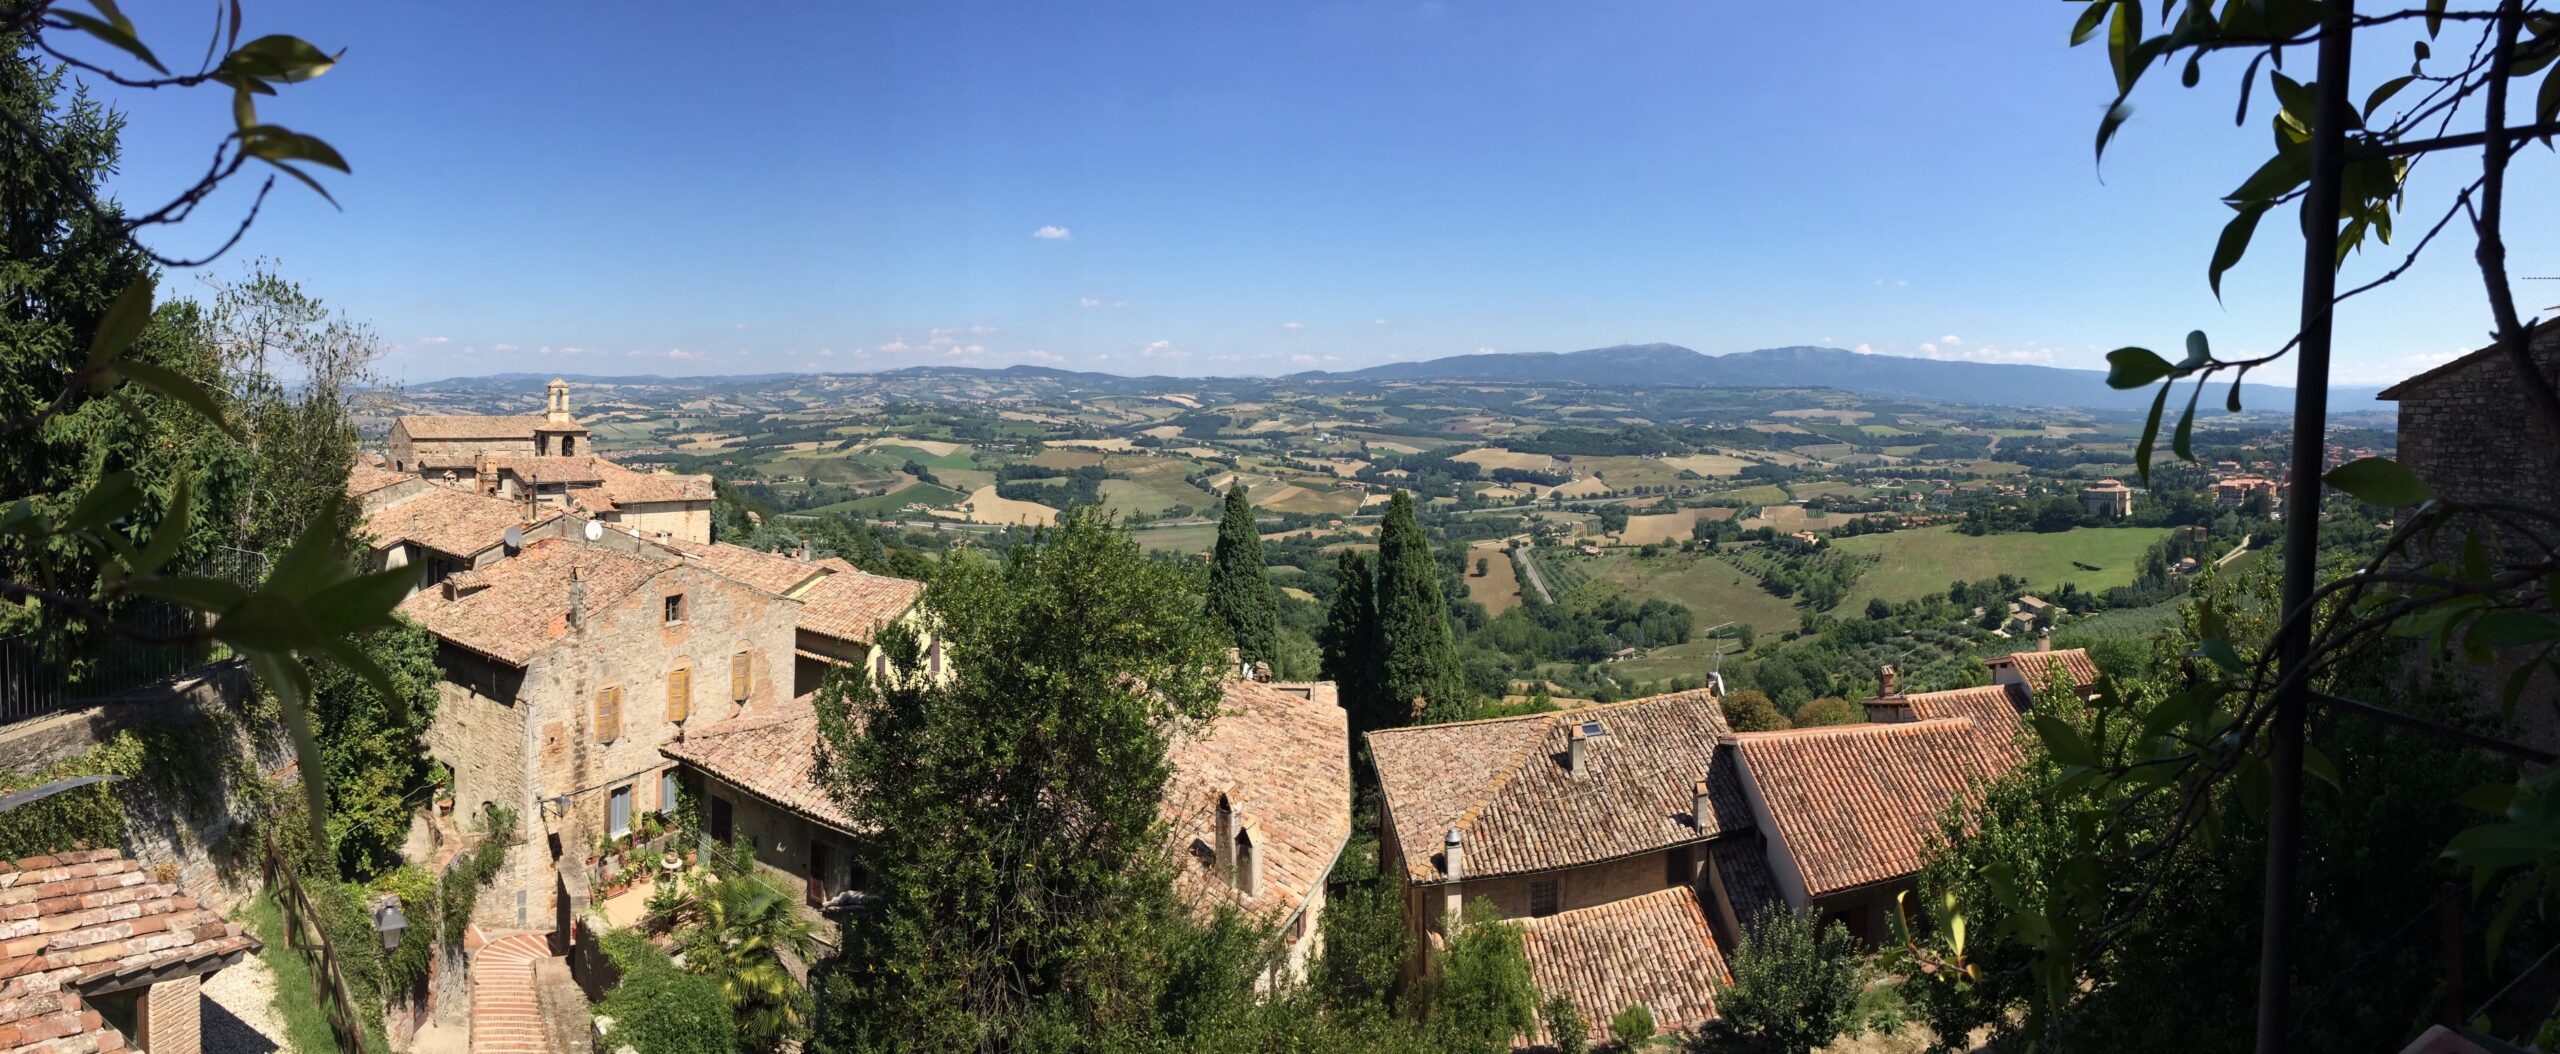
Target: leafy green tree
(1240,594)
(1795,984)
(1633,1027)
(372,746)
(747,933)
(1365,944)
(659,1007)
(1567,1031)
(1828,710)
(1485,999)
(1352,650)
(1749,710)
(1010,811)
(1421,655)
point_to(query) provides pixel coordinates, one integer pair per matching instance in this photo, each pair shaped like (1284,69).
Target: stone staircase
(506,1010)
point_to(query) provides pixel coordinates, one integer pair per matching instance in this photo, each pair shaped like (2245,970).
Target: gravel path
(239,1010)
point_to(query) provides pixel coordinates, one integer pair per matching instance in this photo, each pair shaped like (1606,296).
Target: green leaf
(2279,175)
(2150,434)
(178,386)
(307,181)
(244,108)
(2514,689)
(123,322)
(2380,481)
(2199,350)
(364,601)
(278,58)
(2182,442)
(2219,651)
(2234,243)
(2117,114)
(268,142)
(2383,93)
(2064,741)
(2435,18)
(2091,17)
(112,496)
(2508,628)
(2123,33)
(2130,368)
(291,684)
(2546,104)
(215,595)
(2313,762)
(2231,403)
(2490,798)
(115,31)
(172,532)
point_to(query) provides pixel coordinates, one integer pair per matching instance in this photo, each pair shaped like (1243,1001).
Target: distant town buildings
(543,464)
(2108,498)
(2232,492)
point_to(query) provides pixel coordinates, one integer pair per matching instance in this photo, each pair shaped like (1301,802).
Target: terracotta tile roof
(1743,864)
(449,520)
(1287,761)
(1854,805)
(473,426)
(366,478)
(771,755)
(94,920)
(2038,666)
(1656,949)
(1320,691)
(525,605)
(547,470)
(1503,782)
(625,487)
(855,605)
(774,573)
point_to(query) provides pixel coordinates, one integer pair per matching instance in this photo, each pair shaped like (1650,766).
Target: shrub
(404,971)
(339,909)
(1633,1027)
(658,1008)
(471,870)
(1795,983)
(1828,710)
(1567,1032)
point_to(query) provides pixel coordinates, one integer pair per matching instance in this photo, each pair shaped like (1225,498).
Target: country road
(1529,571)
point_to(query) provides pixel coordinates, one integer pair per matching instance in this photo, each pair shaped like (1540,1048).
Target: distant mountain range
(1623,366)
(1972,383)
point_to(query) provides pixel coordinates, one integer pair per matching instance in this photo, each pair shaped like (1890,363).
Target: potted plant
(441,775)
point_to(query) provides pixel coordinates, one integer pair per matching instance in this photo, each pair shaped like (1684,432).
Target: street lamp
(388,921)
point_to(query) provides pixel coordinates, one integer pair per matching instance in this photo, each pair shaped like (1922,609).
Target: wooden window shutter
(609,714)
(680,694)
(741,676)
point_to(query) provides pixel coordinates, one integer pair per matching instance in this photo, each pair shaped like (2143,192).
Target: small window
(618,811)
(667,793)
(609,714)
(933,658)
(1542,898)
(741,675)
(1675,867)
(675,609)
(680,694)
(723,821)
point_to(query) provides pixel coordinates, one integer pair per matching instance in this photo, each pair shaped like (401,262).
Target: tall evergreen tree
(1239,594)
(1351,647)
(1420,659)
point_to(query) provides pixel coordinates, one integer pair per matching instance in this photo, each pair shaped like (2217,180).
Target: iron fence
(40,676)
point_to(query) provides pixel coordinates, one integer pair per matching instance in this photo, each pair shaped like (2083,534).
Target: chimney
(577,596)
(1223,844)
(1262,672)
(1453,867)
(1236,666)
(1576,750)
(2044,639)
(1248,862)
(804,552)
(1699,807)
(1887,680)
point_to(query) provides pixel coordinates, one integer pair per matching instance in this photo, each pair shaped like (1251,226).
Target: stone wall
(419,455)
(188,840)
(686,520)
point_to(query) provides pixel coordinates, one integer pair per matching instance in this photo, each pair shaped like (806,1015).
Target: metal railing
(39,677)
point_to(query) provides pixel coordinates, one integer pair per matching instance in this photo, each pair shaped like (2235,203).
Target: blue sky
(1189,188)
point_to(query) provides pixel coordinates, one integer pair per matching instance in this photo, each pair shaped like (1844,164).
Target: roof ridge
(1619,705)
(1529,745)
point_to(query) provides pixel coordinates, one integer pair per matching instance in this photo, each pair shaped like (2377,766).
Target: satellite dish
(595,530)
(514,537)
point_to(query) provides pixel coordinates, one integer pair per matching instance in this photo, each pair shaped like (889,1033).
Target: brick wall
(173,1017)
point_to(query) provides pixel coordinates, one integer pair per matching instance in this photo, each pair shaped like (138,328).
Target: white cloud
(680,353)
(1293,326)
(968,351)
(1928,349)
(1377,322)
(982,328)
(1951,340)
(435,340)
(894,346)
(1088,302)
(1484,351)
(2026,353)
(826,352)
(1119,304)
(1864,349)
(1037,355)
(1052,233)
(1162,349)
(504,347)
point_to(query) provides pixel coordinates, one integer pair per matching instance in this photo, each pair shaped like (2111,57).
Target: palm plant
(748,934)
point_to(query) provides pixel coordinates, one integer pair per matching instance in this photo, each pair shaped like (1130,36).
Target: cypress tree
(1421,658)
(1350,642)
(1239,594)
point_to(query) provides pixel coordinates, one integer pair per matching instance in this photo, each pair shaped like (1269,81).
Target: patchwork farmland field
(1918,562)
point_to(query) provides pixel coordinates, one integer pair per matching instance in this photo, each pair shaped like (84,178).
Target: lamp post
(390,922)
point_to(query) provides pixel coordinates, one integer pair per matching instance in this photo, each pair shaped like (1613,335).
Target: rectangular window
(675,609)
(609,714)
(818,864)
(667,795)
(680,694)
(1542,898)
(721,820)
(741,674)
(1675,867)
(617,818)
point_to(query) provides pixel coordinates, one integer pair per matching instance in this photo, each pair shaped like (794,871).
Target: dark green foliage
(1585,631)
(1421,660)
(1240,597)
(1632,1027)
(1795,983)
(339,910)
(1353,655)
(1023,900)
(1748,710)
(404,970)
(1567,1031)
(659,1008)
(473,868)
(373,747)
(1828,710)
(1485,999)
(1365,944)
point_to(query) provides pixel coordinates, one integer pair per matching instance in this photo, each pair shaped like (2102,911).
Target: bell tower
(558,410)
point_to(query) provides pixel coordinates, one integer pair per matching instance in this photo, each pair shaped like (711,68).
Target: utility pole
(2331,114)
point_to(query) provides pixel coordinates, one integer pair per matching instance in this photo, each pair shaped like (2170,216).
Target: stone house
(754,782)
(842,608)
(2108,498)
(2468,429)
(660,505)
(566,667)
(441,530)
(429,444)
(97,955)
